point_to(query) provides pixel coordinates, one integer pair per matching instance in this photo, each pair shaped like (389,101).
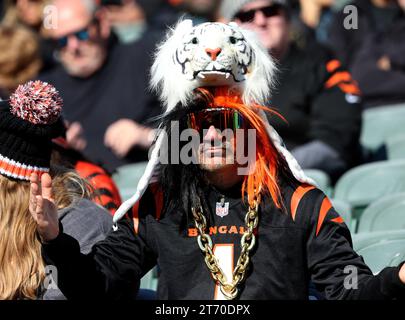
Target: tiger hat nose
(213,53)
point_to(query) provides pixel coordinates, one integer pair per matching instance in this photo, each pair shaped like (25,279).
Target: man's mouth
(214,151)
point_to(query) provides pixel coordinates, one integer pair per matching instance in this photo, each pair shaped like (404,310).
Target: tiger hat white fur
(211,54)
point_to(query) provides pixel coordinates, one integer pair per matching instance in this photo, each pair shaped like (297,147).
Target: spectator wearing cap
(104,84)
(318,98)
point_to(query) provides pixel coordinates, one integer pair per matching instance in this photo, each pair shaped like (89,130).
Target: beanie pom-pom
(37,102)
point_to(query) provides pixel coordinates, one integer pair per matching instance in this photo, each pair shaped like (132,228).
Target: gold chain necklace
(229,289)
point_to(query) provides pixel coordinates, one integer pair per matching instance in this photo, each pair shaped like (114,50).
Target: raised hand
(42,207)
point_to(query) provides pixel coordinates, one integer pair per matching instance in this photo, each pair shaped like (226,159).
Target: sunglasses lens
(62,42)
(271,11)
(82,35)
(268,12)
(246,16)
(220,119)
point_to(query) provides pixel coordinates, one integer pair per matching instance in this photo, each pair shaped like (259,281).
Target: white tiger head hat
(211,54)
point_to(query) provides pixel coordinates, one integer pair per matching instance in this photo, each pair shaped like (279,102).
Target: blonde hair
(20,59)
(22,269)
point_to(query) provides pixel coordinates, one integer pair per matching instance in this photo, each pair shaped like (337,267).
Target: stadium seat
(381,249)
(385,214)
(321,179)
(396,147)
(127,178)
(338,5)
(150,280)
(366,183)
(381,123)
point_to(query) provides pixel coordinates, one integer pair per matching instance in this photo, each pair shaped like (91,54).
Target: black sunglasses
(81,35)
(269,11)
(220,118)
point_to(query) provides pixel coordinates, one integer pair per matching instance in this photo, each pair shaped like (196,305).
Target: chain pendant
(248,241)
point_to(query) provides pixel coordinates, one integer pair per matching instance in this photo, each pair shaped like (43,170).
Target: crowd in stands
(333,65)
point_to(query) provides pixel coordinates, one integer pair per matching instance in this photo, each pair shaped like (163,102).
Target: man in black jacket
(374,52)
(315,95)
(104,84)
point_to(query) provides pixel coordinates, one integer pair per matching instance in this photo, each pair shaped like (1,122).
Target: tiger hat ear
(166,76)
(262,72)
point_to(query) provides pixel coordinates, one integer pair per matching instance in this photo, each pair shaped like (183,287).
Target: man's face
(271,26)
(216,152)
(223,139)
(82,49)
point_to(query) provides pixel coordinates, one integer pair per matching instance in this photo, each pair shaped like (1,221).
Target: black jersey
(305,242)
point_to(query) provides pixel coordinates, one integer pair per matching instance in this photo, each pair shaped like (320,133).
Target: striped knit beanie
(28,122)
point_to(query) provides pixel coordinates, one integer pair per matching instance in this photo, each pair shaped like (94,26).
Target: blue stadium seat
(381,249)
(381,123)
(366,183)
(395,147)
(386,214)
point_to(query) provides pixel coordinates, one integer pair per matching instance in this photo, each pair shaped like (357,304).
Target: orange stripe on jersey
(332,65)
(135,216)
(325,207)
(350,88)
(337,78)
(297,196)
(338,220)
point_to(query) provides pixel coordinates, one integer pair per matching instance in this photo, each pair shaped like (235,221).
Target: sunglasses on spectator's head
(269,11)
(220,118)
(81,35)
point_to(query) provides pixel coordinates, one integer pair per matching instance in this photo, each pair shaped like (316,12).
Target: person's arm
(113,268)
(377,71)
(335,268)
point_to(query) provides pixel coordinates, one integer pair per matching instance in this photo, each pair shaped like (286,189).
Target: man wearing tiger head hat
(217,232)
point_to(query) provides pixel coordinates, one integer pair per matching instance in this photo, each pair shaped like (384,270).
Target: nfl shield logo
(222,210)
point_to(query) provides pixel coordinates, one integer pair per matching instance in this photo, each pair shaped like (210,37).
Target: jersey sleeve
(336,270)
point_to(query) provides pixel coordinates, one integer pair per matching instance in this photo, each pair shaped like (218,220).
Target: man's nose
(72,43)
(212,134)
